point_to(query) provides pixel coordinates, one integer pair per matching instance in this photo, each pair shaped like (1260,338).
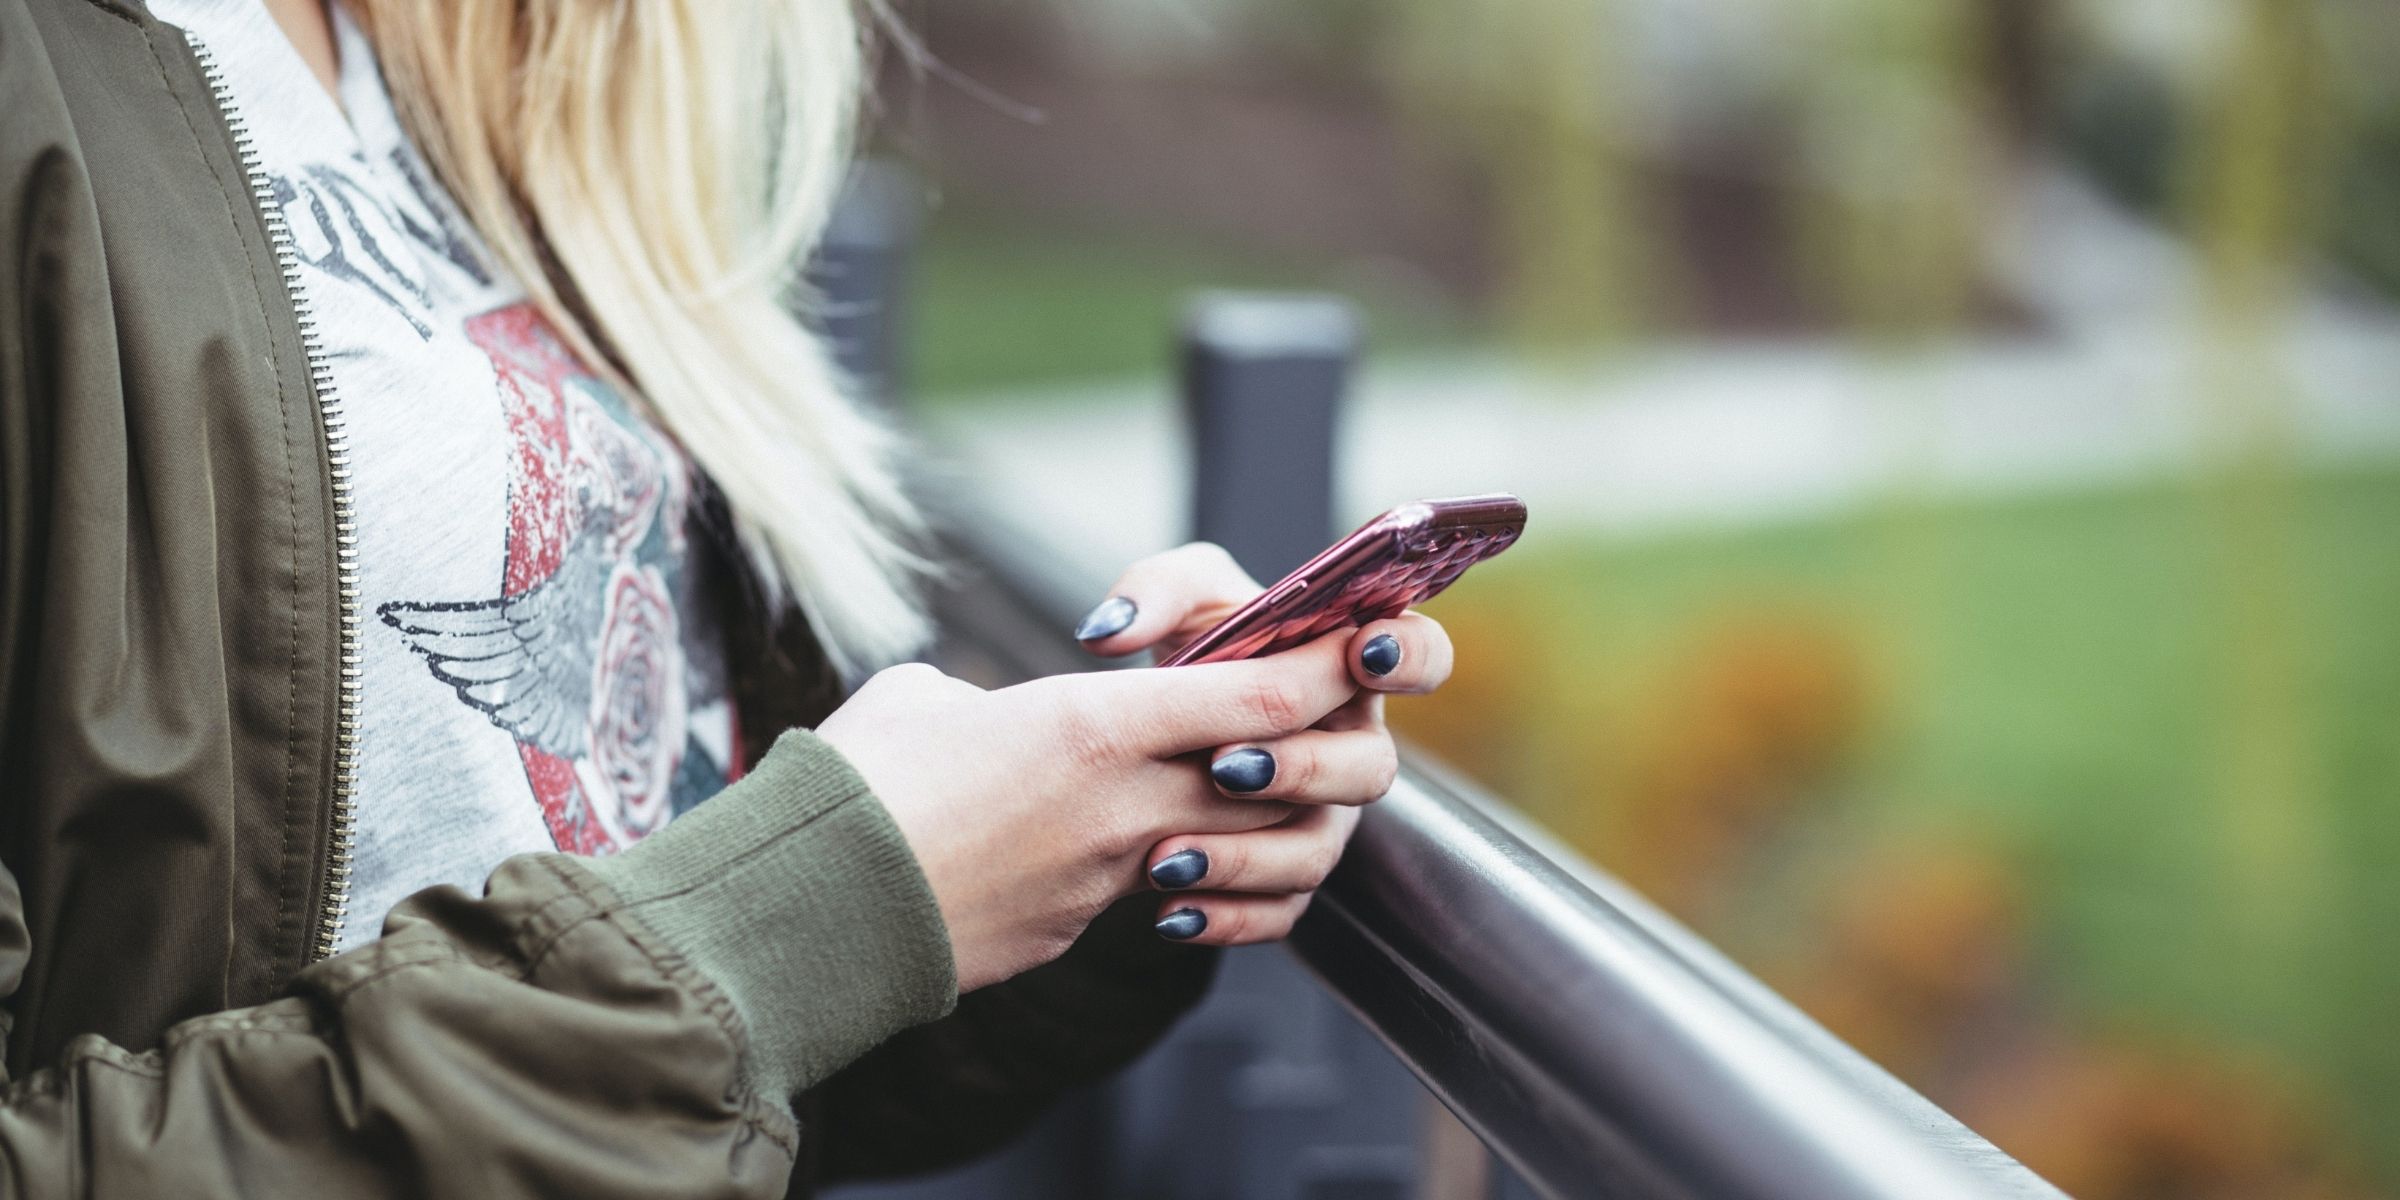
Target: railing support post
(1268,1091)
(1263,380)
(1307,1105)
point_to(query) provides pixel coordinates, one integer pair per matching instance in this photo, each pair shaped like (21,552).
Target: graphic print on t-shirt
(578,654)
(540,663)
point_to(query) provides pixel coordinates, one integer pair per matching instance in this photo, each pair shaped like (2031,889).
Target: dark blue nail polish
(1381,655)
(1244,771)
(1107,620)
(1180,870)
(1182,925)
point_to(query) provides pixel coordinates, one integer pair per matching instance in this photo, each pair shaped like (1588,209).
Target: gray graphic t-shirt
(539,670)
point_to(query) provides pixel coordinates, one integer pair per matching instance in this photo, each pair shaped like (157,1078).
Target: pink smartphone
(1400,559)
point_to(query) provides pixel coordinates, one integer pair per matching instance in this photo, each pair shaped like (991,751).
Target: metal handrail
(1592,1042)
(1596,1045)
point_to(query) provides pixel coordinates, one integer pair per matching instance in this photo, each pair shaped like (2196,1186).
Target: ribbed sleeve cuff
(796,895)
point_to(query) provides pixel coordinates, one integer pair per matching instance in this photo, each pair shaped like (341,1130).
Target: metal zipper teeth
(341,831)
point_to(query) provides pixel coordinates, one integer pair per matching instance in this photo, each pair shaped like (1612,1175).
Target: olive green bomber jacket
(172,814)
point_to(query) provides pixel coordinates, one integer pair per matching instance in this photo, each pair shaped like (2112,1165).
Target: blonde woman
(413,505)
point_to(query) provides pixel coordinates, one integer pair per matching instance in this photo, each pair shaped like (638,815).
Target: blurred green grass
(2049,670)
(1001,302)
(2046,671)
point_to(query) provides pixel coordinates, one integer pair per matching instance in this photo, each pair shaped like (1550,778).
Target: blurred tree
(2136,82)
(2255,189)
(1530,92)
(1904,147)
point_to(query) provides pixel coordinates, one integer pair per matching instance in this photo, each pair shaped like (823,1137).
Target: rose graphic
(636,724)
(579,656)
(616,472)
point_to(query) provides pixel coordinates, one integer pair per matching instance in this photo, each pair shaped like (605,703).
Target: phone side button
(1287,591)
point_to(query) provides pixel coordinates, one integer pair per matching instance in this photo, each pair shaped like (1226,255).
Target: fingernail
(1107,620)
(1381,656)
(1180,870)
(1182,925)
(1244,771)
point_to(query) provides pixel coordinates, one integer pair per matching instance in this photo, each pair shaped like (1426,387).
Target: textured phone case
(1392,563)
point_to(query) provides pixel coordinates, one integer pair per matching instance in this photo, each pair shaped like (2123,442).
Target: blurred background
(1963,443)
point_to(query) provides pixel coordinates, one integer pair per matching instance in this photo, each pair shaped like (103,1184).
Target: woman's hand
(1250,885)
(1031,808)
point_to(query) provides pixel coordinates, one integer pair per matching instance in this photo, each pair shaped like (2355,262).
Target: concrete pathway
(1692,435)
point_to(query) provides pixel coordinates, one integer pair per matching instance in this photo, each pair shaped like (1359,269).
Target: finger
(1225,920)
(1362,711)
(1167,711)
(1295,856)
(1316,767)
(1409,653)
(1185,589)
(1191,803)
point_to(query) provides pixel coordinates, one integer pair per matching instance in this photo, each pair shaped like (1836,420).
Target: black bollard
(1263,382)
(1268,1089)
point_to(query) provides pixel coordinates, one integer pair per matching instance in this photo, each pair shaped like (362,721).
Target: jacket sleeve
(946,1092)
(612,1028)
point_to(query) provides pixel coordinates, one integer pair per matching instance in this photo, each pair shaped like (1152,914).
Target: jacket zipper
(341,827)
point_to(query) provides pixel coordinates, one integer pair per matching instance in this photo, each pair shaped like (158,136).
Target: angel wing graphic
(524,661)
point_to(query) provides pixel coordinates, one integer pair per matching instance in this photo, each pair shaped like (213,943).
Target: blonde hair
(653,171)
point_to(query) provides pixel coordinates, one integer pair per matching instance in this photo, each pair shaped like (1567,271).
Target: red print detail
(533,369)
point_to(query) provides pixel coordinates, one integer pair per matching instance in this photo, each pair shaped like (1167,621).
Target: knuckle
(1164,566)
(1043,939)
(1272,925)
(1255,815)
(1229,862)
(1098,892)
(903,678)
(1053,943)
(1216,566)
(913,686)
(1083,732)
(1276,702)
(1114,831)
(1232,924)
(1301,773)
(1438,645)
